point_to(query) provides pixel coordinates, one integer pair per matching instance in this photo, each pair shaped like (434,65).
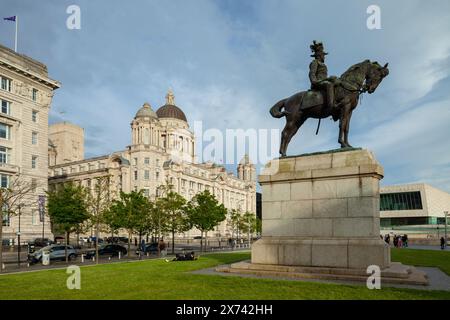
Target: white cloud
(229,62)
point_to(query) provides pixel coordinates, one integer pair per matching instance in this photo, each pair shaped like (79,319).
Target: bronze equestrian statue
(341,96)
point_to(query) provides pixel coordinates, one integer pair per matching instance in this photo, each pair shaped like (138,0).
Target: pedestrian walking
(387,238)
(442,243)
(162,248)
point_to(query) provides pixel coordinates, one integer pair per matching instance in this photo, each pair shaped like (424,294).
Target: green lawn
(423,258)
(157,279)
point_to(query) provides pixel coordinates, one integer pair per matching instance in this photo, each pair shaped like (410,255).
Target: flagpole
(15,42)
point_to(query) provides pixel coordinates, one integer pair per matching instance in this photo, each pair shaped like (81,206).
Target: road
(12,266)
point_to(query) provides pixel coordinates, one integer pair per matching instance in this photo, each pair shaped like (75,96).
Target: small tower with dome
(246,169)
(144,127)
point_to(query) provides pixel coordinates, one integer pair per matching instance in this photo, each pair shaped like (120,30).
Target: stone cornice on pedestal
(327,165)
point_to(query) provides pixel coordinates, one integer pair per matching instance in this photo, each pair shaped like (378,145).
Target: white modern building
(413,205)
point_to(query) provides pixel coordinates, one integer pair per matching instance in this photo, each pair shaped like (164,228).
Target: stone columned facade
(162,150)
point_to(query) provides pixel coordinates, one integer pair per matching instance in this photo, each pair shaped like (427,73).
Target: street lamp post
(18,239)
(445,230)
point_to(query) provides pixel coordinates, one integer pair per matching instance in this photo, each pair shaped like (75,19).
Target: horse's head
(374,75)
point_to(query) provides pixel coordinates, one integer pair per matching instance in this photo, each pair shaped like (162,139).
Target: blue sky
(229,61)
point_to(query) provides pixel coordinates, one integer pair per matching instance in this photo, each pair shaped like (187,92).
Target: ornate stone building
(162,149)
(26,93)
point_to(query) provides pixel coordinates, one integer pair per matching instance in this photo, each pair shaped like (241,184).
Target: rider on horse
(318,75)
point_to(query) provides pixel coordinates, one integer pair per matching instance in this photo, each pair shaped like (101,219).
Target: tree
(235,223)
(173,208)
(15,196)
(129,211)
(99,202)
(258,226)
(157,219)
(68,209)
(143,220)
(205,213)
(112,221)
(249,224)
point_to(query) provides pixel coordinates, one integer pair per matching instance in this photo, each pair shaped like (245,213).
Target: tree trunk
(173,241)
(206,241)
(96,243)
(140,240)
(65,247)
(1,245)
(129,244)
(201,241)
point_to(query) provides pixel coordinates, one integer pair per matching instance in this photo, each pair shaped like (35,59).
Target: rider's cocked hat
(317,47)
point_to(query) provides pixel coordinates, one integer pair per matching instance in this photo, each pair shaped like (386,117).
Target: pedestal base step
(397,273)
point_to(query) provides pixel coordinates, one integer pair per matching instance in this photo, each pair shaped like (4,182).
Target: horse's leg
(347,128)
(343,124)
(291,128)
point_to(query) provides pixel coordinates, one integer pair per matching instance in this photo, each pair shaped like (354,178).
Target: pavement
(424,247)
(438,280)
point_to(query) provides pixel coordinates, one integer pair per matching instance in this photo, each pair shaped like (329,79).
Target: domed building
(162,150)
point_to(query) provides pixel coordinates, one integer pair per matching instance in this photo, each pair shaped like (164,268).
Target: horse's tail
(275,111)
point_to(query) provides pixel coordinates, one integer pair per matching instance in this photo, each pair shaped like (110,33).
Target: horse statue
(359,78)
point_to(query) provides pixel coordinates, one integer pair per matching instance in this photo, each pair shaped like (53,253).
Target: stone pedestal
(321,219)
(322,210)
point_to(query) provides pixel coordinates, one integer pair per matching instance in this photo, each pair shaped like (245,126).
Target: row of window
(401,201)
(146,161)
(81,168)
(410,221)
(36,218)
(6,109)
(5,157)
(4,182)
(6,84)
(5,133)
(146,175)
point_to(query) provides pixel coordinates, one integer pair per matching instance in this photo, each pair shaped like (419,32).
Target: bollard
(120,255)
(28,265)
(82,258)
(109,258)
(3,266)
(147,254)
(93,259)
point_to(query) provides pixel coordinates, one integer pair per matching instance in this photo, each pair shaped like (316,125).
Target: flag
(13,18)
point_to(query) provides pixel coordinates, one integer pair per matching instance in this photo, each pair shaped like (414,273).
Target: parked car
(41,242)
(107,249)
(199,237)
(123,239)
(117,239)
(84,240)
(57,252)
(149,248)
(92,240)
(59,240)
